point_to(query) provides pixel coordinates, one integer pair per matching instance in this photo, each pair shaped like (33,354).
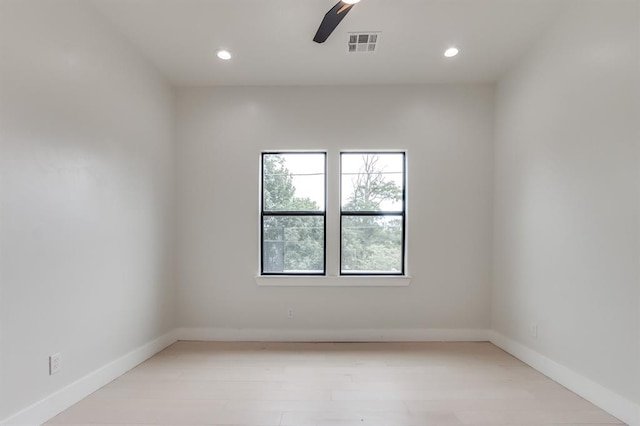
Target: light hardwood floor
(338,384)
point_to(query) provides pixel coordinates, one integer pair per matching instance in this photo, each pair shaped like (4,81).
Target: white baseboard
(333,335)
(59,401)
(616,405)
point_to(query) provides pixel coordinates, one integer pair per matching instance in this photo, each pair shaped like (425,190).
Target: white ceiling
(271,40)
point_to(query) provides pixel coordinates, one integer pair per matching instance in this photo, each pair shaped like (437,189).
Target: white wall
(638,142)
(86,170)
(567,199)
(448,132)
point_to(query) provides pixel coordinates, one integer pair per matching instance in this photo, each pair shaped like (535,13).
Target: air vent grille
(363,42)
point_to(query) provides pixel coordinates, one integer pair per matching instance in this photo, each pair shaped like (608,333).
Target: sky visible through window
(307,173)
(389,165)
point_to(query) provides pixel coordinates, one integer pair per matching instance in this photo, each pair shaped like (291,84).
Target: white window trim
(333,281)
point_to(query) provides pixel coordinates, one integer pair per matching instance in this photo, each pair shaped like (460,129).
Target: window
(372,213)
(293,213)
(366,220)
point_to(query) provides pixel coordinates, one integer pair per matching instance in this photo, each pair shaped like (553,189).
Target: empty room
(310,213)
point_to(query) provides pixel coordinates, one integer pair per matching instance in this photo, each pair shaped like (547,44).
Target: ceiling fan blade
(331,20)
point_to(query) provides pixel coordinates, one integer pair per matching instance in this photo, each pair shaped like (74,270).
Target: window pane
(372,182)
(293,182)
(293,244)
(372,244)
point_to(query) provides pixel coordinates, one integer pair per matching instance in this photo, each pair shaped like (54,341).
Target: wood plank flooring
(337,384)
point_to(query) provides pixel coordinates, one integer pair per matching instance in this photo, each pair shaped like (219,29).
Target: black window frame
(402,214)
(302,213)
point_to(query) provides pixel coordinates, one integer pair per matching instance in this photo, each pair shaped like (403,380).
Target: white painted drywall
(87,190)
(566,196)
(638,143)
(448,134)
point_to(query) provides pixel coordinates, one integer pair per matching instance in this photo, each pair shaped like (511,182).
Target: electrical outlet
(55,363)
(290,313)
(533,330)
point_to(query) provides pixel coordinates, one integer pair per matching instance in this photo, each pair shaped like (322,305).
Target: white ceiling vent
(363,42)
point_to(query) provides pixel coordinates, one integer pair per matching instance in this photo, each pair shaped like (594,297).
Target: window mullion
(333,214)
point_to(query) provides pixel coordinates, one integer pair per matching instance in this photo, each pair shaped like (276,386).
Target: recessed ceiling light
(224,54)
(350,1)
(451,52)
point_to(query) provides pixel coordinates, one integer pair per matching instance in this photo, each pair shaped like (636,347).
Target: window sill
(333,281)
